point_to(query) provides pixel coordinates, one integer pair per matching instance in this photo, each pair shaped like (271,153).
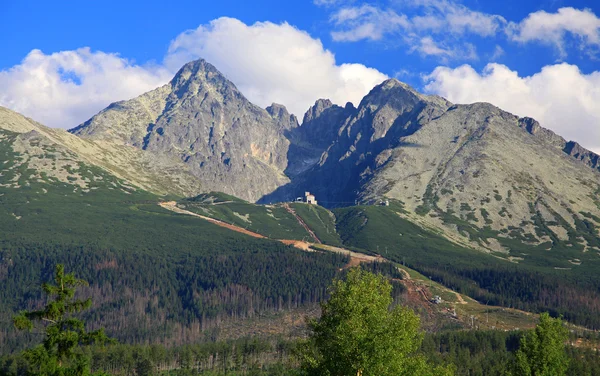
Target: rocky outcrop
(282,117)
(200,117)
(352,140)
(580,153)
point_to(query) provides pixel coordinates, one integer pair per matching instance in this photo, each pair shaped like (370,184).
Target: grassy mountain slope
(564,280)
(272,221)
(159,174)
(537,283)
(154,275)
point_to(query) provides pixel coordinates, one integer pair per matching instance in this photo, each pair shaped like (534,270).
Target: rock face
(576,151)
(474,172)
(282,117)
(478,174)
(201,118)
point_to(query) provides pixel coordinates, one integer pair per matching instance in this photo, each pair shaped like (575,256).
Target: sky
(62,62)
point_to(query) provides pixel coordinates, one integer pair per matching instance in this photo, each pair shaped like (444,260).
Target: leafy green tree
(358,333)
(542,351)
(60,354)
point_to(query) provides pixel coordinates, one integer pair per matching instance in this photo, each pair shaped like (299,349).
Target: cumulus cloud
(268,62)
(274,63)
(552,28)
(560,96)
(65,88)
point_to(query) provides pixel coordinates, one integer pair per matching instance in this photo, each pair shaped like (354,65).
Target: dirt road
(172,206)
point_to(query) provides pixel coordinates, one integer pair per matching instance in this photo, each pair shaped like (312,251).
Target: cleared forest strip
(302,223)
(172,206)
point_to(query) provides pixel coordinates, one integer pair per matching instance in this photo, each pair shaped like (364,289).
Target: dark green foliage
(490,353)
(485,214)
(239,281)
(65,335)
(153,273)
(245,356)
(473,353)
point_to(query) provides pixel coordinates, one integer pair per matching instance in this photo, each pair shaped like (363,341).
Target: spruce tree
(61,353)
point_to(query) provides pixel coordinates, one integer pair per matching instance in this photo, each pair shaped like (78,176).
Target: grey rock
(282,117)
(580,153)
(230,144)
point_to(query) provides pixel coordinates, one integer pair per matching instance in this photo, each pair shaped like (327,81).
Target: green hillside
(542,282)
(320,220)
(154,275)
(272,221)
(563,281)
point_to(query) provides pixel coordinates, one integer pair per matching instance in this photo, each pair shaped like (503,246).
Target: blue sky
(62,63)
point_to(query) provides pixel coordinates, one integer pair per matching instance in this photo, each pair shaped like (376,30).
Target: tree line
(360,332)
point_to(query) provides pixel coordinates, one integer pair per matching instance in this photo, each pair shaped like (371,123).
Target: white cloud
(560,96)
(65,88)
(366,22)
(551,28)
(274,63)
(448,16)
(498,53)
(268,62)
(427,46)
(328,3)
(434,16)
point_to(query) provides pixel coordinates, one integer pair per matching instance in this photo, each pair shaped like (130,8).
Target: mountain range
(487,203)
(478,174)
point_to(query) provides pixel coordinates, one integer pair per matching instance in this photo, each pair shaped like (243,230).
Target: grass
(320,220)
(272,221)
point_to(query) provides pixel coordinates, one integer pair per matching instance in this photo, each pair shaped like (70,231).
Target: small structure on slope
(310,198)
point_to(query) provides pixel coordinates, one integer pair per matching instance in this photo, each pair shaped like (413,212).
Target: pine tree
(61,353)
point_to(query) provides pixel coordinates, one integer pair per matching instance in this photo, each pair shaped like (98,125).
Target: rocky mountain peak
(282,117)
(202,119)
(316,110)
(201,77)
